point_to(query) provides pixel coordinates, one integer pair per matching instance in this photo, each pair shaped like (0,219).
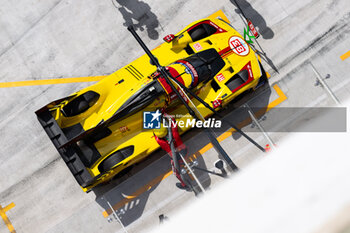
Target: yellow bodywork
(114,92)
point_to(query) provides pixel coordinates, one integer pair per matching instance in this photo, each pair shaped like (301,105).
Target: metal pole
(255,120)
(324,84)
(210,133)
(207,171)
(116,216)
(192,173)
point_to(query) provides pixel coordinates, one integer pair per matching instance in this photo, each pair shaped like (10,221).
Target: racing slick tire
(115,158)
(263,79)
(198,34)
(80,104)
(110,162)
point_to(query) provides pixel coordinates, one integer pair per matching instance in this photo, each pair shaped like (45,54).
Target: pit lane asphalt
(54,39)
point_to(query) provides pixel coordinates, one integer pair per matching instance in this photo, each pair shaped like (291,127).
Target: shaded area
(136,10)
(129,194)
(238,114)
(150,173)
(129,211)
(248,12)
(264,56)
(245,9)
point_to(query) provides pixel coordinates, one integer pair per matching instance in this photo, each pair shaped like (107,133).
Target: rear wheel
(115,158)
(263,78)
(80,104)
(110,162)
(202,31)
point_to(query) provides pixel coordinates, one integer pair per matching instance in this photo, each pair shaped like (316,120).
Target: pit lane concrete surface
(54,40)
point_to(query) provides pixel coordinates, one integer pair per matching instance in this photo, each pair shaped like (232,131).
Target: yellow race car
(99,131)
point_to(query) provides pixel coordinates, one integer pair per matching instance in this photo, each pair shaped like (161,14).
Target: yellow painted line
(128,196)
(50,81)
(281,97)
(268,75)
(345,55)
(10,206)
(220,14)
(6,219)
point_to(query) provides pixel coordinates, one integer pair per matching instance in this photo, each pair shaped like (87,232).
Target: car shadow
(257,101)
(253,15)
(130,196)
(137,10)
(245,9)
(264,57)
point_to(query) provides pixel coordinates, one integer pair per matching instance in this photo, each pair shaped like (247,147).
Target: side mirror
(169,38)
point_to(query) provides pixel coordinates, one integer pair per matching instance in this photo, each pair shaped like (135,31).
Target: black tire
(80,104)
(110,162)
(198,34)
(263,79)
(264,75)
(82,107)
(115,158)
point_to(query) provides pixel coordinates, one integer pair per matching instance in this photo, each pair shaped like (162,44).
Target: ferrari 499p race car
(99,130)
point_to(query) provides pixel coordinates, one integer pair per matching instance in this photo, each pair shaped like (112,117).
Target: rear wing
(69,153)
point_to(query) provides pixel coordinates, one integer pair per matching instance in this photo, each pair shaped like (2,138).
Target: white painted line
(272,144)
(324,85)
(192,173)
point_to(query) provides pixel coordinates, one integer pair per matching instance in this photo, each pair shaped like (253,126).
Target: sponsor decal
(217,103)
(197,46)
(253,29)
(239,46)
(220,77)
(190,70)
(124,129)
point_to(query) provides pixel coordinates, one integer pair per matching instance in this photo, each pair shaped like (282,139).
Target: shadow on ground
(130,196)
(136,10)
(257,19)
(245,9)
